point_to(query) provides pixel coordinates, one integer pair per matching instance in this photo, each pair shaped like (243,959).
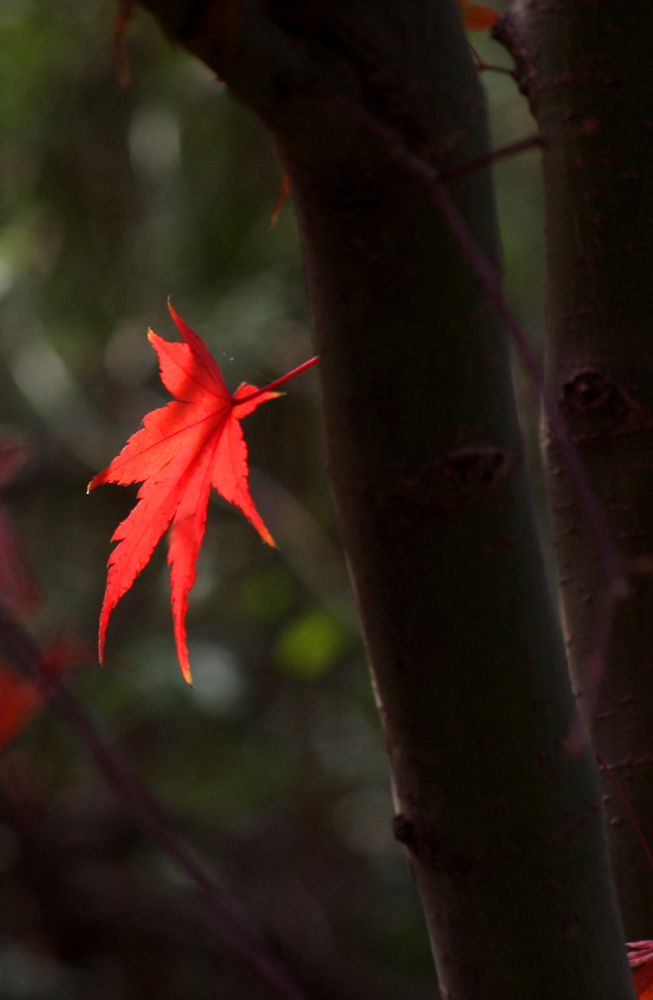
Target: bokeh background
(273,765)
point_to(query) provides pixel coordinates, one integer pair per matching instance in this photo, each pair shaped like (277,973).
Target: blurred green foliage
(311,643)
(273,764)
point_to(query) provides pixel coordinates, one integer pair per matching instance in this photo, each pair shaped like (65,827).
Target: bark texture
(586,69)
(496,796)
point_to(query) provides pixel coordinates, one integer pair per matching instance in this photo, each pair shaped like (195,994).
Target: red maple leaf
(640,957)
(182,450)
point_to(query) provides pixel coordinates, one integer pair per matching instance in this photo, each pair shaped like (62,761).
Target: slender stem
(279,381)
(616,582)
(490,279)
(481,65)
(490,68)
(497,154)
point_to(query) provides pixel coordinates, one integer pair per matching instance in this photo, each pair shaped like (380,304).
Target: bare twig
(489,277)
(616,586)
(534,141)
(483,67)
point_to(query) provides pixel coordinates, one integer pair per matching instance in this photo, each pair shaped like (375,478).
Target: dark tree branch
(231,928)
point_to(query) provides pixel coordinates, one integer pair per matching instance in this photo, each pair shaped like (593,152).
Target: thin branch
(615,570)
(482,65)
(491,68)
(234,930)
(278,381)
(489,278)
(534,141)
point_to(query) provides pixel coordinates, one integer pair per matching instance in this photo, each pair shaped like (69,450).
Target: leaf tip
(182,656)
(175,316)
(268,539)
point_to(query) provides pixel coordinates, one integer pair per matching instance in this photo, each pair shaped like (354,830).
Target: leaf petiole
(279,381)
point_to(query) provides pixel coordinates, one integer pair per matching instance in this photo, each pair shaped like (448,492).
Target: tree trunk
(586,68)
(496,795)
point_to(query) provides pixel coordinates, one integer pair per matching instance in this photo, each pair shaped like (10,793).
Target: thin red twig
(491,68)
(534,141)
(482,65)
(279,381)
(490,280)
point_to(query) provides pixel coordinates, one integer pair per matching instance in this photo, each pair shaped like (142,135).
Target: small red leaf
(21,697)
(182,450)
(477,16)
